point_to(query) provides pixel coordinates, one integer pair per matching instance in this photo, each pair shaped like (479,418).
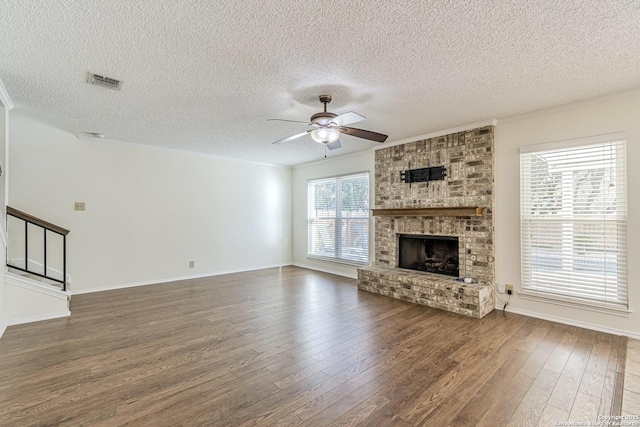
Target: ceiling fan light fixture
(325,135)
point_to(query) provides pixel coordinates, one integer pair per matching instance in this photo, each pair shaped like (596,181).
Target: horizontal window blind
(338,218)
(574,223)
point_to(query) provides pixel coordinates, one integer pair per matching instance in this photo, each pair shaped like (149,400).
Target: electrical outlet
(509,289)
(192,264)
(79,206)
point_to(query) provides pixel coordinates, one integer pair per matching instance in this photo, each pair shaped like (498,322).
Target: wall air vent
(102,81)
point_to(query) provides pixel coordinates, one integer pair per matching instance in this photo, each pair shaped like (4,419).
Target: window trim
(549,296)
(337,260)
(576,142)
(569,302)
(368,218)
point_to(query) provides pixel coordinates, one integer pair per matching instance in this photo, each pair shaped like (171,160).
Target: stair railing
(46,227)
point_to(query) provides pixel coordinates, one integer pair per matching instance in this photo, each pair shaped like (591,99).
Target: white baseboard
(571,322)
(170,279)
(326,270)
(3,327)
(21,320)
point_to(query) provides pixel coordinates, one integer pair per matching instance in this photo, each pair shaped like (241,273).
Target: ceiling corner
(4,96)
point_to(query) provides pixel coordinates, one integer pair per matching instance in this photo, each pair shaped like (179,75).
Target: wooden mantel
(464,211)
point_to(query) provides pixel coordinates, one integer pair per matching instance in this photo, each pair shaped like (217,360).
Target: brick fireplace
(436,208)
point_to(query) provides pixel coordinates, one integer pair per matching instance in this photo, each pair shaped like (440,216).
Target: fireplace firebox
(433,254)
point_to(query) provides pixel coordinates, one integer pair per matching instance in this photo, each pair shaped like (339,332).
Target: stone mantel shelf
(458,211)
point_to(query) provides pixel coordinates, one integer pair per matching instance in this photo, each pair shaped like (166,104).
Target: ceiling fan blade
(292,137)
(347,118)
(292,121)
(361,133)
(333,145)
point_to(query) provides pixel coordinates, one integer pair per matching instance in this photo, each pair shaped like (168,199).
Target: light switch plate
(79,206)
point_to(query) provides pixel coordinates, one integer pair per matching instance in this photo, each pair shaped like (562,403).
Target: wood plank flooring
(294,347)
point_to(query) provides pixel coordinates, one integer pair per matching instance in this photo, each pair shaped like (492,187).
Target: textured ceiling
(204,75)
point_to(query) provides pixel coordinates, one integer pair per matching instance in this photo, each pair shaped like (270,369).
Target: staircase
(35,261)
(36,279)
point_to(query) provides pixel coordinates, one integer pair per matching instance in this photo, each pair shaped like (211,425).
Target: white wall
(4,114)
(149,210)
(613,114)
(358,162)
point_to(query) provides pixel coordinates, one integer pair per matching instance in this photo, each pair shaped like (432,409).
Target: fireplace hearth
(433,254)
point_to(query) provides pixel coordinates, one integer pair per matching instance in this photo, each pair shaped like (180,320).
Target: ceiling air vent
(105,82)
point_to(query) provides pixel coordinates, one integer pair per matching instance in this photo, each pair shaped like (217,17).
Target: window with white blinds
(574,221)
(338,218)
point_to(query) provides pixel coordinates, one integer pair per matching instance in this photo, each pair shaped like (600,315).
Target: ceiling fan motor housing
(323,118)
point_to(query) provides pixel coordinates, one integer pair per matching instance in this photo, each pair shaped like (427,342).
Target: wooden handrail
(37,221)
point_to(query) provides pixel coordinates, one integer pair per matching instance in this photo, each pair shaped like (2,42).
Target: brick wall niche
(468,159)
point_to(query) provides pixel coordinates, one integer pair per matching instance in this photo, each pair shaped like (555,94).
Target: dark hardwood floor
(298,347)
